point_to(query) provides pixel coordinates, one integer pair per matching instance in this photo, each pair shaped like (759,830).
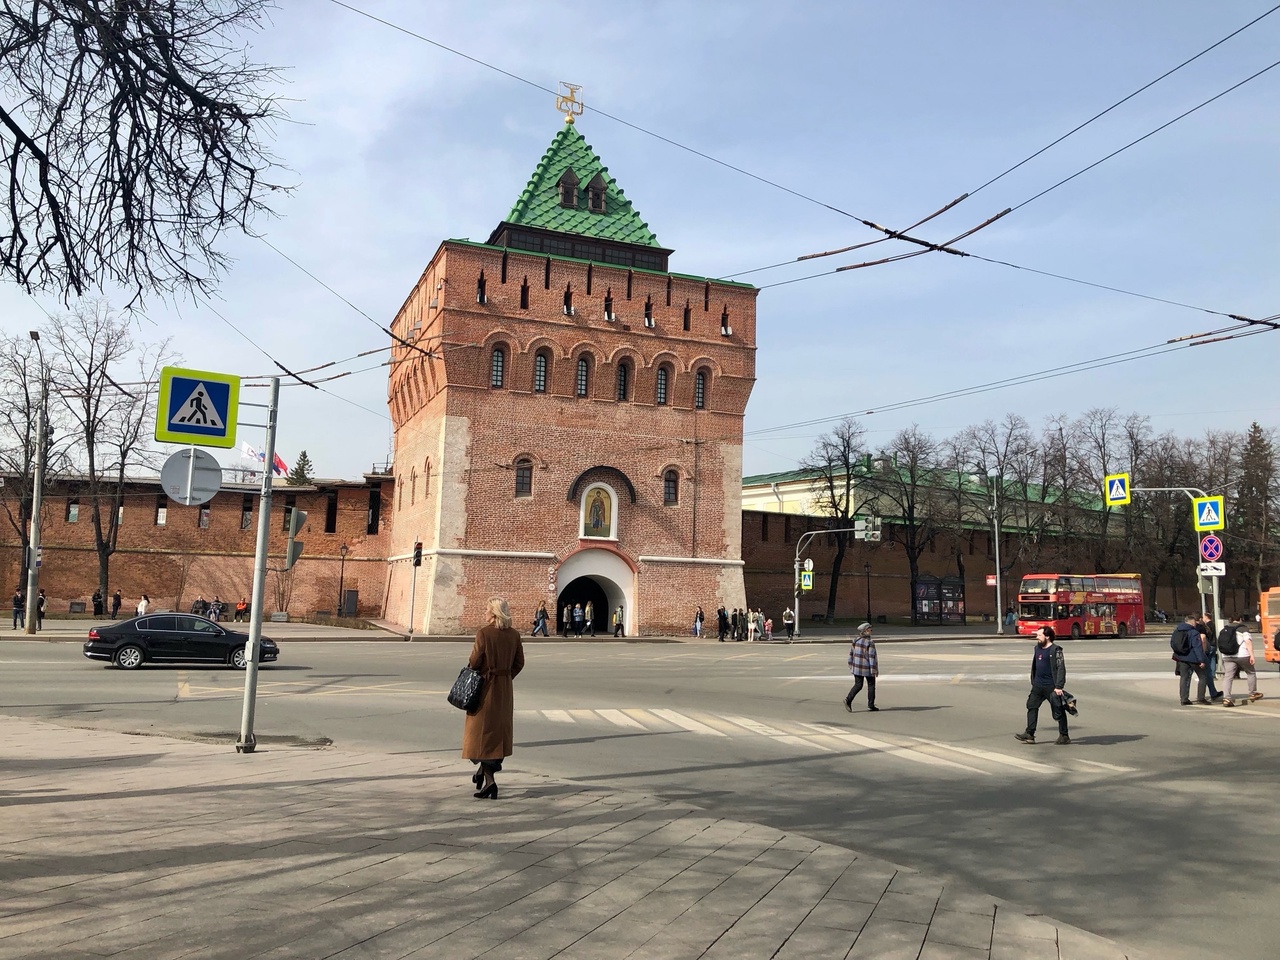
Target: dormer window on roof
(568,185)
(595,194)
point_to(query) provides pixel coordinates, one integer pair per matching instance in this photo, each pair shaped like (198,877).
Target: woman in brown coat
(487,734)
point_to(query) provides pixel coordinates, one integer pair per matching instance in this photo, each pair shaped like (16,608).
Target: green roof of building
(539,204)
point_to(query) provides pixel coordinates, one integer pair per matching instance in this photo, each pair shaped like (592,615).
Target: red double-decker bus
(1097,606)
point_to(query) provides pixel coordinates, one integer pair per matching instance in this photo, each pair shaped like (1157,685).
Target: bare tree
(836,462)
(92,350)
(131,136)
(905,482)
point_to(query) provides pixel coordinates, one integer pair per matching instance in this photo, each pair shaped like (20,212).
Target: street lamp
(342,572)
(866,568)
(37,496)
(993,480)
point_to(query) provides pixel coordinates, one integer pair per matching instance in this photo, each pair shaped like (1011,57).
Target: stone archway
(605,579)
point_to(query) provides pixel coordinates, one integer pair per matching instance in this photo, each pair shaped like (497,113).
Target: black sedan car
(172,638)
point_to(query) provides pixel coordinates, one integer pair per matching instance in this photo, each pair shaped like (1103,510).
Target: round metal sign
(190,483)
(808,564)
(1211,548)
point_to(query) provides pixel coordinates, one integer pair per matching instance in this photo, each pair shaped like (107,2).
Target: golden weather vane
(567,101)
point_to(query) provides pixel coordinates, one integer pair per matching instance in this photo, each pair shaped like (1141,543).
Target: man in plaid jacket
(865,667)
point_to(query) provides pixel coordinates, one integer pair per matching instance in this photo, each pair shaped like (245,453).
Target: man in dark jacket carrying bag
(1190,657)
(1048,677)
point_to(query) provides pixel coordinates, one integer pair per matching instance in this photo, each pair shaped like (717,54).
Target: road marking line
(646,718)
(558,716)
(905,753)
(184,688)
(1104,766)
(693,726)
(755,726)
(992,756)
(618,718)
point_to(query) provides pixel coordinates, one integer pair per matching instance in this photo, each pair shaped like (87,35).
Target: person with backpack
(1190,658)
(1210,644)
(1048,679)
(1236,646)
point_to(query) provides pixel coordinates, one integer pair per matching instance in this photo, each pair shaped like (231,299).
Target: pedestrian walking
(722,622)
(115,604)
(864,664)
(589,617)
(98,606)
(566,620)
(1235,644)
(697,622)
(1210,644)
(789,622)
(1189,655)
(540,619)
(19,610)
(40,602)
(488,733)
(619,623)
(1048,679)
(144,605)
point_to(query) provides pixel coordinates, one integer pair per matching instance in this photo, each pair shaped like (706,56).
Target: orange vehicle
(1270,624)
(1077,606)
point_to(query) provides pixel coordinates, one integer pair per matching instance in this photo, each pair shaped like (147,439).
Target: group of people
(99,605)
(1196,652)
(20,610)
(740,624)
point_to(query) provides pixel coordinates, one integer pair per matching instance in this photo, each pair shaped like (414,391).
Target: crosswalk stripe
(693,726)
(1104,766)
(905,753)
(991,756)
(620,719)
(582,714)
(773,733)
(645,718)
(559,716)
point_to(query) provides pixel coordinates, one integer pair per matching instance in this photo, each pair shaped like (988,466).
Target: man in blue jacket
(1048,678)
(1188,652)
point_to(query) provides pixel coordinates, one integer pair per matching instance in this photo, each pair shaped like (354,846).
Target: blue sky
(883,110)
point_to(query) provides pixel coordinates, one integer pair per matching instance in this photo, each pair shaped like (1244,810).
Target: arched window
(584,376)
(540,365)
(670,488)
(413,487)
(568,186)
(660,394)
(524,294)
(524,477)
(700,390)
(624,380)
(426,478)
(595,194)
(608,304)
(498,367)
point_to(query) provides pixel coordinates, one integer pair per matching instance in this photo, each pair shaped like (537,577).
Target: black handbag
(466,690)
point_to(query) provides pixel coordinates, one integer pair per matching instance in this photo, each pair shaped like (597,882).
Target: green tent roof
(539,204)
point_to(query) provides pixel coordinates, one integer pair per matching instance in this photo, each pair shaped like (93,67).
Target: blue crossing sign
(806,580)
(1116,488)
(198,407)
(1208,513)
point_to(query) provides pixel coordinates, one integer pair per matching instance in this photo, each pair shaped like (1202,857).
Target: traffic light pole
(1193,493)
(247,742)
(805,538)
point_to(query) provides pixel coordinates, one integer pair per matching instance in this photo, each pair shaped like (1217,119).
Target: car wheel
(1122,630)
(1075,631)
(129,657)
(238,659)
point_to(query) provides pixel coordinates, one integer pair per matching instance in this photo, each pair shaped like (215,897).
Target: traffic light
(873,533)
(417,553)
(297,518)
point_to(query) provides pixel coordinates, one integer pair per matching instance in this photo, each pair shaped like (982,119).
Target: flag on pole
(249,451)
(278,466)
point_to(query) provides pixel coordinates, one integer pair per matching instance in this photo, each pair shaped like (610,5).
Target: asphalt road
(1155,827)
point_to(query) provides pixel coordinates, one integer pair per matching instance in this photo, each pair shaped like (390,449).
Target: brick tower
(568,421)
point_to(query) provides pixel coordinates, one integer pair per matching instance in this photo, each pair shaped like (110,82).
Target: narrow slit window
(588,291)
(246,512)
(480,297)
(540,373)
(725,329)
(546,275)
(374,516)
(648,312)
(524,294)
(331,512)
(502,276)
(700,390)
(688,315)
(497,368)
(629,279)
(670,488)
(524,478)
(624,380)
(73,510)
(568,300)
(608,305)
(660,394)
(584,376)
(668,291)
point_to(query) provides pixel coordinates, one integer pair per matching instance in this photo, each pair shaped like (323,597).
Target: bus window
(1037,611)
(1036,585)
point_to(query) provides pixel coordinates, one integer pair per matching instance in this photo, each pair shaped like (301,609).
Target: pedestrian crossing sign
(198,407)
(1207,513)
(806,580)
(1116,487)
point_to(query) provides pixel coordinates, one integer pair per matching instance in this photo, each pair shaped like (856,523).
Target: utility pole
(993,478)
(804,538)
(247,742)
(37,495)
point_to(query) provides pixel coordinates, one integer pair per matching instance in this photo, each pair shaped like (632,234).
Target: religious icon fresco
(597,517)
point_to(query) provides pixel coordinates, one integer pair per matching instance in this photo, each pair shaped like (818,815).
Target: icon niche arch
(596,491)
